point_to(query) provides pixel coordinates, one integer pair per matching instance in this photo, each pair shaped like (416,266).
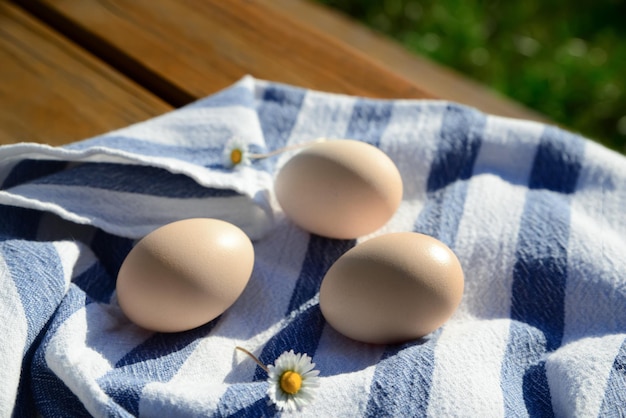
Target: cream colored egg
(392,288)
(184,274)
(339,188)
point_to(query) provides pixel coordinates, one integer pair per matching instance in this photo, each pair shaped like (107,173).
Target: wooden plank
(436,79)
(196,47)
(53,92)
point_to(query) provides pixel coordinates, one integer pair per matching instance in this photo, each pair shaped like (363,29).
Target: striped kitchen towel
(536,216)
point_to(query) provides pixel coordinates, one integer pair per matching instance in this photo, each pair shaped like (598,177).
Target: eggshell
(392,288)
(184,274)
(339,188)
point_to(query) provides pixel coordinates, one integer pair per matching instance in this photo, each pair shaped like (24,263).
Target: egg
(184,274)
(392,288)
(339,188)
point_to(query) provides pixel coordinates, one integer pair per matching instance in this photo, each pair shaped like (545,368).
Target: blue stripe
(537,392)
(558,161)
(614,402)
(38,277)
(540,272)
(402,380)
(369,120)
(461,137)
(523,379)
(133,179)
(155,360)
(110,250)
(245,400)
(320,256)
(51,395)
(278,112)
(40,283)
(441,215)
(302,336)
(74,300)
(161,345)
(457,149)
(28,170)
(17,223)
(97,284)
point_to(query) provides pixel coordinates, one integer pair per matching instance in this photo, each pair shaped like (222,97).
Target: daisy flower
(293,381)
(235,154)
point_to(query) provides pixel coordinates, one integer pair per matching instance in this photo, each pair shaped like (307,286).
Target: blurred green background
(565,59)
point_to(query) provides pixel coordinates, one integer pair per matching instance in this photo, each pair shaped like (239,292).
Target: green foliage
(566,60)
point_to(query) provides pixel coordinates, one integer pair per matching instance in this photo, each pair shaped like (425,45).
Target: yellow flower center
(235,156)
(290,382)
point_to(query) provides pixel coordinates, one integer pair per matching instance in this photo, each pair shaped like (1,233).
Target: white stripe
(601,188)
(340,396)
(595,296)
(410,140)
(76,365)
(487,237)
(319,118)
(344,394)
(86,346)
(278,264)
(318,114)
(205,372)
(468,364)
(577,374)
(188,398)
(76,258)
(13,329)
(486,243)
(508,148)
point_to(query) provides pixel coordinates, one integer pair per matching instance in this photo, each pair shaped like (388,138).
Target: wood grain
(53,92)
(437,80)
(197,47)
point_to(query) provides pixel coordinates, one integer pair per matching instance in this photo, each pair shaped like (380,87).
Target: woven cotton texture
(535,215)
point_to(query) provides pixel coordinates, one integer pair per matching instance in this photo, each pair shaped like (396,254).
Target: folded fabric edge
(251,211)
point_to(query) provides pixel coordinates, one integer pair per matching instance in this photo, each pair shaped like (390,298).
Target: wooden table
(71,69)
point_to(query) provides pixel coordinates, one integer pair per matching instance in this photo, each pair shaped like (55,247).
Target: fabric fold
(171,164)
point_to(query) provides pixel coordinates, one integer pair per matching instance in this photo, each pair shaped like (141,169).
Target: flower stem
(285,149)
(256,360)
